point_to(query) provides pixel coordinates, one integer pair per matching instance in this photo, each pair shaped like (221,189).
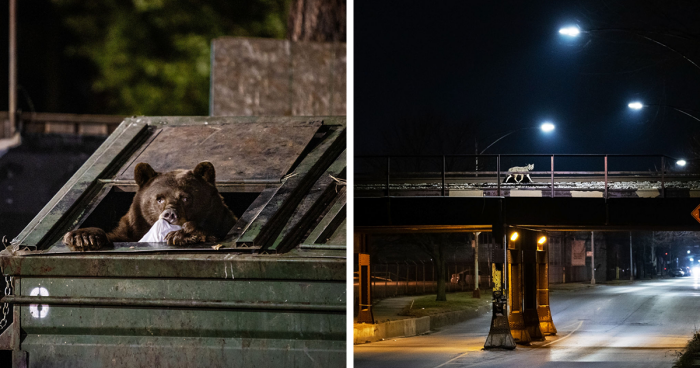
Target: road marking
(452,360)
(577,327)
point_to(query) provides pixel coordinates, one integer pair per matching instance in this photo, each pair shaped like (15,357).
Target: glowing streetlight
(514,236)
(570,31)
(635,105)
(545,127)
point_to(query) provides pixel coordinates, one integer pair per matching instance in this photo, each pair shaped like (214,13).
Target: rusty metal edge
(337,209)
(170,303)
(310,207)
(214,120)
(7,338)
(71,182)
(329,265)
(251,214)
(312,167)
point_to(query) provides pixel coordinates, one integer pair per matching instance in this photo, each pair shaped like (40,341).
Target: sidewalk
(388,324)
(388,309)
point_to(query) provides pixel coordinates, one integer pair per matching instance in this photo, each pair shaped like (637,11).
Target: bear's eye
(184,199)
(161,200)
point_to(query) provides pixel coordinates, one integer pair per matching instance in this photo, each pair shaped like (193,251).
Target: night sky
(495,66)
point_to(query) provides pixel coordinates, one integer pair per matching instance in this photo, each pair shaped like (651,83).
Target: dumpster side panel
(142,351)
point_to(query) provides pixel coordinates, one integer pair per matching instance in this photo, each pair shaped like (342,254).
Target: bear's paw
(82,240)
(184,237)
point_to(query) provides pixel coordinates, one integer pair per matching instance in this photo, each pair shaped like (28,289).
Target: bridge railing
(446,175)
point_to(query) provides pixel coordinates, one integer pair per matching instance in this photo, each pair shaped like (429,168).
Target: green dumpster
(271,293)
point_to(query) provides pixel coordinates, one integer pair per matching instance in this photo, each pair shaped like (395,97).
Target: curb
(364,333)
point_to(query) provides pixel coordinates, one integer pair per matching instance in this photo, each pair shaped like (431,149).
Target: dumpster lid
(240,151)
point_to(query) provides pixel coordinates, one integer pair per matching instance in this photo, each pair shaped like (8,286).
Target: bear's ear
(206,170)
(143,172)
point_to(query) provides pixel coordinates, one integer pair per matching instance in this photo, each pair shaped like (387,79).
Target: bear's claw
(82,240)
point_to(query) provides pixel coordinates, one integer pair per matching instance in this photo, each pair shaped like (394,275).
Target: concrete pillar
(592,258)
(530,284)
(499,333)
(631,262)
(543,311)
(515,288)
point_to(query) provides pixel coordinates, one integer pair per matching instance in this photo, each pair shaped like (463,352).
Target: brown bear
(181,197)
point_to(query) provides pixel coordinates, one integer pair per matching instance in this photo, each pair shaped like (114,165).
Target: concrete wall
(255,77)
(560,268)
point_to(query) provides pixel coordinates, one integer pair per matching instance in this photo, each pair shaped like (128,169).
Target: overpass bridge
(469,193)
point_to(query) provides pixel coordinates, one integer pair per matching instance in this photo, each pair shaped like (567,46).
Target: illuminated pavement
(641,324)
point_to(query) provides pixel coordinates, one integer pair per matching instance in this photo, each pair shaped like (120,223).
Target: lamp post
(636,105)
(573,32)
(546,127)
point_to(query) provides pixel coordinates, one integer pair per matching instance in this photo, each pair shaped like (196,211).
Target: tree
(152,57)
(434,245)
(317,20)
(438,246)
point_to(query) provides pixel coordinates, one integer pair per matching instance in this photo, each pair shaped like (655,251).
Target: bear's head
(177,196)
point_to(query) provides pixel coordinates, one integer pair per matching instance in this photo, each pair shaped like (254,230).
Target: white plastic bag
(158,231)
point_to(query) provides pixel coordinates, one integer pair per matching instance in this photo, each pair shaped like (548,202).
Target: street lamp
(636,105)
(570,31)
(573,32)
(546,127)
(681,163)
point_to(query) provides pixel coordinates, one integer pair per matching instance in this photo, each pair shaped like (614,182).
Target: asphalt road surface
(644,324)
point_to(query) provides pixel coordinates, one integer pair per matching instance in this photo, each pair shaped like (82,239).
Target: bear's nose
(169,215)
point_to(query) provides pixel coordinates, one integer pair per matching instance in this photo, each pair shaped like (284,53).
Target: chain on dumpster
(6,306)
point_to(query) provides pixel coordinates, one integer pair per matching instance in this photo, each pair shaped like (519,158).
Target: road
(643,324)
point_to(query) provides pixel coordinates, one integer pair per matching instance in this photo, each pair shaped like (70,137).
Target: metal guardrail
(659,173)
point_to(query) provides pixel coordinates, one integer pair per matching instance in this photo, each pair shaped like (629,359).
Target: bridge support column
(543,311)
(499,333)
(364,314)
(516,318)
(530,284)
